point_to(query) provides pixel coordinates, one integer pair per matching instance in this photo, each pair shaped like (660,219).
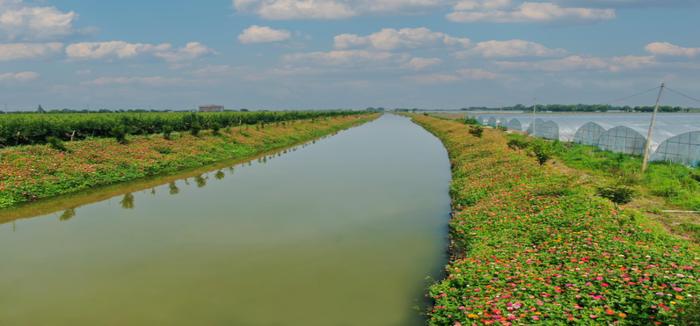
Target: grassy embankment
(664,187)
(533,244)
(30,173)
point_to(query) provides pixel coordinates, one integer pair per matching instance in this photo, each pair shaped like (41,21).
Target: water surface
(342,232)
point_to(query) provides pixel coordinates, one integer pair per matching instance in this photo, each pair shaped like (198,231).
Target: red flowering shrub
(525,254)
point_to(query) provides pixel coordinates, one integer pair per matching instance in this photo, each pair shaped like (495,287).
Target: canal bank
(342,232)
(32,173)
(531,244)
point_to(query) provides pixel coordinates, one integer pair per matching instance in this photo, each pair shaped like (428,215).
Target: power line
(684,95)
(631,96)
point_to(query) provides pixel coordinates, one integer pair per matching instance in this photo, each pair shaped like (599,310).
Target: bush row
(24,129)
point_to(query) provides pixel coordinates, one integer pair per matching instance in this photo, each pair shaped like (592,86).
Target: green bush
(168,132)
(56,144)
(542,151)
(119,132)
(476,131)
(618,194)
(518,143)
(471,121)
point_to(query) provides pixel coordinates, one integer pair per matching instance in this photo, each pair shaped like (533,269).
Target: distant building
(211,108)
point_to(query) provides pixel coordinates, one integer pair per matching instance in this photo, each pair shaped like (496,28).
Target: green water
(341,232)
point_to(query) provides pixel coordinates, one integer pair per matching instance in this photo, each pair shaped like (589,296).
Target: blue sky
(308,54)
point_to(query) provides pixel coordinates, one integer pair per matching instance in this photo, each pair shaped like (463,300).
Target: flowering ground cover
(531,245)
(29,173)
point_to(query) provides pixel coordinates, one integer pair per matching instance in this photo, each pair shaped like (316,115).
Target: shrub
(56,144)
(216,128)
(476,131)
(119,132)
(471,121)
(542,151)
(195,128)
(618,194)
(517,143)
(168,132)
(501,128)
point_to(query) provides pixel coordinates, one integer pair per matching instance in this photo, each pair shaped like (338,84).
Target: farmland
(531,243)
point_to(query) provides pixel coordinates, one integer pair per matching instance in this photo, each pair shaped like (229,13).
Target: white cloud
(477,74)
(391,39)
(23,76)
(213,70)
(581,63)
(16,51)
(462,74)
(422,63)
(19,20)
(504,12)
(328,9)
(296,9)
(263,34)
(668,49)
(341,57)
(514,48)
(155,81)
(125,50)
(191,51)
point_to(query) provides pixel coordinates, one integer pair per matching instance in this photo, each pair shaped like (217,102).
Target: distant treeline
(583,108)
(36,128)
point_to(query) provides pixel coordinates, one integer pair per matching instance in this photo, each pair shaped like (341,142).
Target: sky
(328,54)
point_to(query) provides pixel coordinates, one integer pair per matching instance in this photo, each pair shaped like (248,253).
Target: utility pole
(647,148)
(534,118)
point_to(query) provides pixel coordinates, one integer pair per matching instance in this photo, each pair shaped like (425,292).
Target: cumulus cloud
(126,50)
(461,74)
(581,63)
(20,20)
(668,49)
(391,39)
(422,63)
(17,51)
(23,76)
(263,34)
(190,51)
(514,48)
(155,81)
(327,9)
(500,11)
(341,57)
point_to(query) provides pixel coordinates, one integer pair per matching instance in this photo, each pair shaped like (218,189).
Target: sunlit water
(667,125)
(342,232)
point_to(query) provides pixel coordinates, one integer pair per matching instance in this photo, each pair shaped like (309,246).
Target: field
(531,243)
(34,128)
(29,173)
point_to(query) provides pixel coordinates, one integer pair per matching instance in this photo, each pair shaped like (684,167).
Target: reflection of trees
(174,190)
(201,181)
(220,175)
(153,191)
(128,201)
(67,215)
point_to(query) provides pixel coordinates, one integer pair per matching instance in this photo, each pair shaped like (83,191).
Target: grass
(665,186)
(34,172)
(532,244)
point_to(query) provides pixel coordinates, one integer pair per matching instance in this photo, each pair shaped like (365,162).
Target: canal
(345,231)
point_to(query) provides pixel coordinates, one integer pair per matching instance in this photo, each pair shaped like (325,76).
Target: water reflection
(201,181)
(174,190)
(127,201)
(67,215)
